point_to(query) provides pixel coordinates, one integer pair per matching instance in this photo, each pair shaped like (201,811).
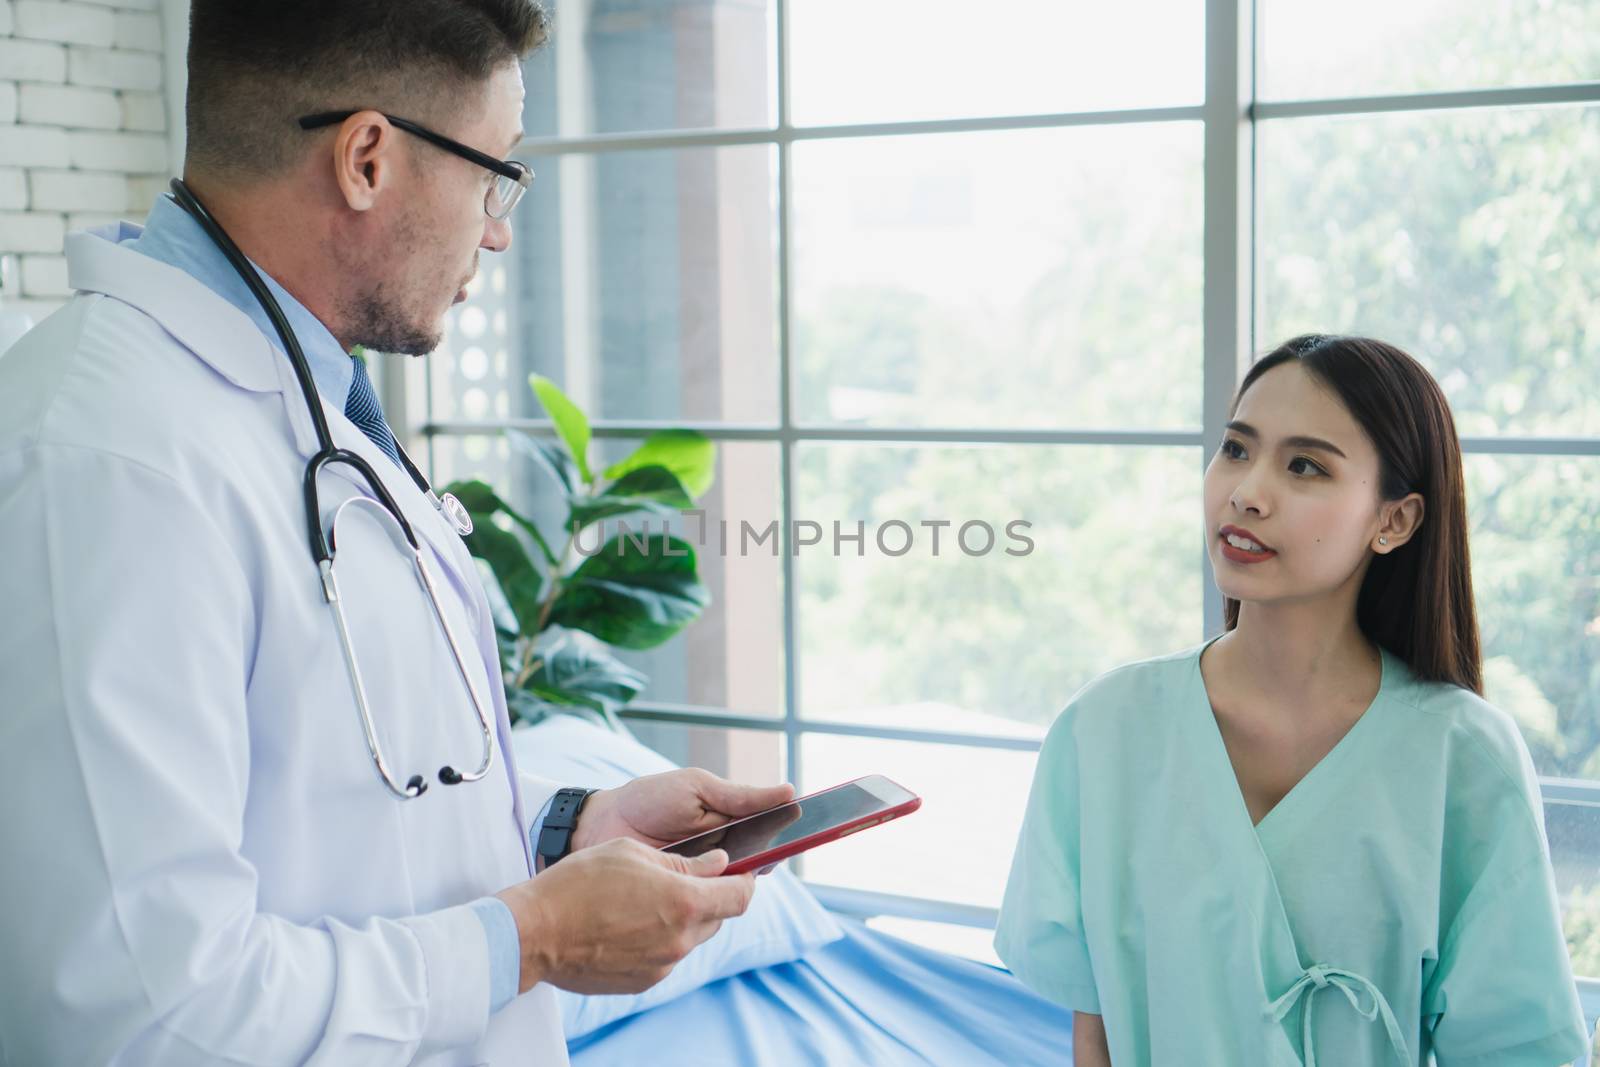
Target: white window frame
(1229,114)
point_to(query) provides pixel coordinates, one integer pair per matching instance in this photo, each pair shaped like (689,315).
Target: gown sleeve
(1502,991)
(1040,933)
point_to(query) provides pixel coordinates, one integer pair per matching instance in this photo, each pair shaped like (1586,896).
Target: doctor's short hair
(1416,601)
(255,66)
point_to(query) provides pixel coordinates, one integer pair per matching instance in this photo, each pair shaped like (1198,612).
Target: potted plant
(560,612)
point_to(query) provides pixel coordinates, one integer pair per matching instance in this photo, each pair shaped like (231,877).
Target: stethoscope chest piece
(454,510)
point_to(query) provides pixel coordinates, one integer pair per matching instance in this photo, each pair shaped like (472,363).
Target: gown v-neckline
(1320,770)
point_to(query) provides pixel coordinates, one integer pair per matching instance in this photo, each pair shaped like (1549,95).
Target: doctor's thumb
(706,865)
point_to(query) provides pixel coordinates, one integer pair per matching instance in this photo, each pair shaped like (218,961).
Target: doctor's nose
(496,234)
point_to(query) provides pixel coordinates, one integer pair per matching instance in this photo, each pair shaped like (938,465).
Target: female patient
(1309,839)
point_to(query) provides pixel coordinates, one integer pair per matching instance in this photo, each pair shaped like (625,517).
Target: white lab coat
(198,861)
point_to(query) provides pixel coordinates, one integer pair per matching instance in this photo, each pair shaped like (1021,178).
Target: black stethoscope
(325,547)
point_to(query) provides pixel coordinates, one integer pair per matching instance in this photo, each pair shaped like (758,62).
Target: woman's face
(1298,477)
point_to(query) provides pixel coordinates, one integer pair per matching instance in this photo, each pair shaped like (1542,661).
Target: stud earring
(1383,540)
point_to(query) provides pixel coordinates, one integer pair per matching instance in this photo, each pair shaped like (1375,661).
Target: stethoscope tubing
(322,550)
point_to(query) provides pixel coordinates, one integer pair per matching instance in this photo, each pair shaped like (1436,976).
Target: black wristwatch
(555,835)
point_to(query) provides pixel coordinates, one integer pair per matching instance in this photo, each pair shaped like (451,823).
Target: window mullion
(1229,229)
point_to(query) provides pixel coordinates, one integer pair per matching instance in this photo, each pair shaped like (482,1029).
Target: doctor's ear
(363,158)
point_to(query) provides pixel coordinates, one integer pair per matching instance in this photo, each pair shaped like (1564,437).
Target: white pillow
(783,923)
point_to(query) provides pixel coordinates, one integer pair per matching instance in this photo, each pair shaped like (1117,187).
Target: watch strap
(555,833)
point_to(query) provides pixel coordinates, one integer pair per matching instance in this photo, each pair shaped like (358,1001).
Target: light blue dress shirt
(173,237)
(177,240)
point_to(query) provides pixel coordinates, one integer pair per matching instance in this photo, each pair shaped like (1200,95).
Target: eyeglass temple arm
(519,174)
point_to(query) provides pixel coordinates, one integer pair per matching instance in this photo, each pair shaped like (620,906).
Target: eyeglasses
(513,179)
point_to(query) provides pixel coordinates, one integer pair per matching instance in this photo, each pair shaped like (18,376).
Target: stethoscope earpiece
(449,776)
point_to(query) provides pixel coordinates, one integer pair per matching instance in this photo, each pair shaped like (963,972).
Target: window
(929,263)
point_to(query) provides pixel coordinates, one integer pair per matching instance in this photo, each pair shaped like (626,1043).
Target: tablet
(761,841)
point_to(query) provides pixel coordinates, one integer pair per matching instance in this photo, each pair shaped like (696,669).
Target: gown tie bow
(1319,977)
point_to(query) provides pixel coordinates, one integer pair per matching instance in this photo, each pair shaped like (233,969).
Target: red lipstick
(1242,555)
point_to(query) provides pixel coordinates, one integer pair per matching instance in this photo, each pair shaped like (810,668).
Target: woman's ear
(363,158)
(1401,519)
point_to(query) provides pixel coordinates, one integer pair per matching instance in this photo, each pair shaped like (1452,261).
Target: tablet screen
(783,825)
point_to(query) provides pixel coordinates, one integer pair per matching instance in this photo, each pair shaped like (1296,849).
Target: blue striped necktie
(362,408)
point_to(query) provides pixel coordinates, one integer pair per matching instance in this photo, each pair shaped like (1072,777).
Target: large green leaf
(646,489)
(520,581)
(482,503)
(689,454)
(499,607)
(570,422)
(548,455)
(526,705)
(632,598)
(577,671)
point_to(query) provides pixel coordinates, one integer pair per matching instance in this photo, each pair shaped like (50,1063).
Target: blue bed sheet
(867,999)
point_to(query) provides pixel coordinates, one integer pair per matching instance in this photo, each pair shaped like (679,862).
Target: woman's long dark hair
(1417,600)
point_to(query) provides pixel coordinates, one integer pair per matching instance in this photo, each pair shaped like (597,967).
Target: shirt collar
(171,236)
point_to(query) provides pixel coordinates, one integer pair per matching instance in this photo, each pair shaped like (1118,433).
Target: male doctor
(199,861)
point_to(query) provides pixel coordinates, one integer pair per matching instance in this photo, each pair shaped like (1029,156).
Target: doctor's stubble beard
(381,324)
(383,320)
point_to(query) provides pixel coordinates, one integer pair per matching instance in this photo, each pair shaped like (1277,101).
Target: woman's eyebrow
(1247,430)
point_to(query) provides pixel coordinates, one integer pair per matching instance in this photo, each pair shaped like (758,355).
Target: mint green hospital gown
(1399,901)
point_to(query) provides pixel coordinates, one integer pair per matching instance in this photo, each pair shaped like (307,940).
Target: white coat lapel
(449,555)
(218,333)
(227,340)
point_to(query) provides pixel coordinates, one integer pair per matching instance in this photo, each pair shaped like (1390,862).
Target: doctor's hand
(662,808)
(617,917)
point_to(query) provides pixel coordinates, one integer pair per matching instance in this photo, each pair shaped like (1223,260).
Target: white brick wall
(45,276)
(36,61)
(136,5)
(144,111)
(113,68)
(13,189)
(32,231)
(84,130)
(33,146)
(126,153)
(89,220)
(77,190)
(142,192)
(138,30)
(50,20)
(69,105)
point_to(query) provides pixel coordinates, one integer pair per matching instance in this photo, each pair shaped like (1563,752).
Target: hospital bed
(825,988)
(868,998)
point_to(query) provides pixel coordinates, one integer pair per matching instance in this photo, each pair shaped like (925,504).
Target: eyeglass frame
(512,169)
